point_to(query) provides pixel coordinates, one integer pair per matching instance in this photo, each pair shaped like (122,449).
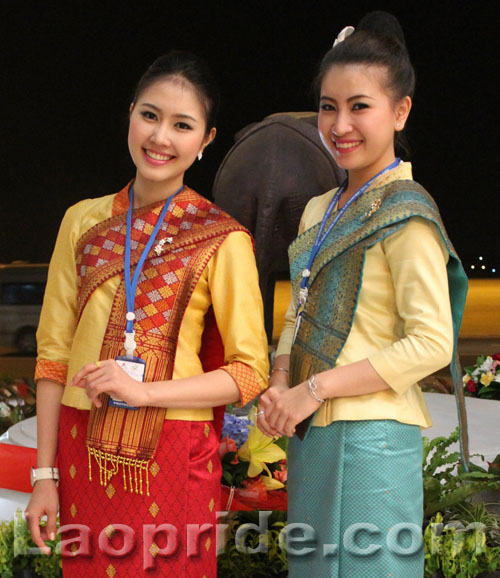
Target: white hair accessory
(343,34)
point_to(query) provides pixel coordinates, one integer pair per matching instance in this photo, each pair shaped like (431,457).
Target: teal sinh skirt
(355,501)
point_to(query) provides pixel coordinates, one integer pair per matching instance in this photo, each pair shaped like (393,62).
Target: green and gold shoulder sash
(336,274)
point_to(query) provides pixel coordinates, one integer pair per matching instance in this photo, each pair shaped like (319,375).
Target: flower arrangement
(253,464)
(483,379)
(17,401)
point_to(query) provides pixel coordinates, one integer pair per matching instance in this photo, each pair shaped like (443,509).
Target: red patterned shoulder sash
(190,220)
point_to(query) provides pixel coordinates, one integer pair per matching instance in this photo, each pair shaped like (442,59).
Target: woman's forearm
(199,391)
(358,378)
(48,407)
(206,390)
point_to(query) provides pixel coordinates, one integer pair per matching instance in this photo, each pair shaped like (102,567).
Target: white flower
(343,34)
(487,364)
(4,409)
(15,402)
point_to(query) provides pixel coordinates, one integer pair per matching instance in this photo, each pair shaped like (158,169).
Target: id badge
(134,368)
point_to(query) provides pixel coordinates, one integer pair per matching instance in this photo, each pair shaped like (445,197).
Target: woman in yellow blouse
(157,285)
(372,272)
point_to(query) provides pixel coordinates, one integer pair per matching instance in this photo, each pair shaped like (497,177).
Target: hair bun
(382,23)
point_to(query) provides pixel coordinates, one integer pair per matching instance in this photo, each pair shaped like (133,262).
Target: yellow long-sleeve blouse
(403,322)
(229,283)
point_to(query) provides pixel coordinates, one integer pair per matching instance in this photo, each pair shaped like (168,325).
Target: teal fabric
(358,485)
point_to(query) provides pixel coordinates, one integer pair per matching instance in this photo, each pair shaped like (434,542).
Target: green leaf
(227,477)
(282,442)
(456,496)
(477,475)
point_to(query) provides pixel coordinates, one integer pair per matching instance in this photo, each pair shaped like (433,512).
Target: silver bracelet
(279,369)
(313,386)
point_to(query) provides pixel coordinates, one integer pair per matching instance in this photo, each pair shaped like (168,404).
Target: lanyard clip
(303,294)
(130,344)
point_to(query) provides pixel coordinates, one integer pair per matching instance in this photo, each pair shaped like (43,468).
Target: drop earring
(200,155)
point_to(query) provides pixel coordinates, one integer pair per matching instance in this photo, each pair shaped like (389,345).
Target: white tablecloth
(483,419)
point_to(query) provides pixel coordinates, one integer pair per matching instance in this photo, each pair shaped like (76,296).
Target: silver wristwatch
(44,474)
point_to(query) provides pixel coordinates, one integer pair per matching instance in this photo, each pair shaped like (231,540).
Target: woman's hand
(265,403)
(288,408)
(44,502)
(108,377)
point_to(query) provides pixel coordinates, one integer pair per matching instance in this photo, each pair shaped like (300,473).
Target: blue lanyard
(131,286)
(320,237)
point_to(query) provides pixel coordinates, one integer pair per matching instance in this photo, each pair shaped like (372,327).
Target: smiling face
(167,130)
(358,118)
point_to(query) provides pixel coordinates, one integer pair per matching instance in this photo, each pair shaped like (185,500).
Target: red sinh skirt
(107,531)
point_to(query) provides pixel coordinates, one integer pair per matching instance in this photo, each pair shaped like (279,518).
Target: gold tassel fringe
(109,466)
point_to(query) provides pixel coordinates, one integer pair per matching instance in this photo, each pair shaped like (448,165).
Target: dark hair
(379,41)
(189,67)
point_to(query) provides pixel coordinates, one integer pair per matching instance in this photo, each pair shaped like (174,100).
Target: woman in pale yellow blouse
(404,295)
(372,270)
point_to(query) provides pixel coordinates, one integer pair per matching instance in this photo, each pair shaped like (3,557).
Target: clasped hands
(108,377)
(281,408)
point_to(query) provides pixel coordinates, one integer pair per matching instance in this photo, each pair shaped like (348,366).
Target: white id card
(135,368)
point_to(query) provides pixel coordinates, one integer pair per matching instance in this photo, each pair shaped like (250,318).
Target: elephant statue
(265,181)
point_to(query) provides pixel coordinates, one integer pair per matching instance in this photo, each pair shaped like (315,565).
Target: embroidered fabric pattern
(336,274)
(53,370)
(245,379)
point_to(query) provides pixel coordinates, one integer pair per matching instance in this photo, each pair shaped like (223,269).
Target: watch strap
(38,474)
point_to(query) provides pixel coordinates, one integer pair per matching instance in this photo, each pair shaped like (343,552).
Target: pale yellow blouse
(403,321)
(229,283)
